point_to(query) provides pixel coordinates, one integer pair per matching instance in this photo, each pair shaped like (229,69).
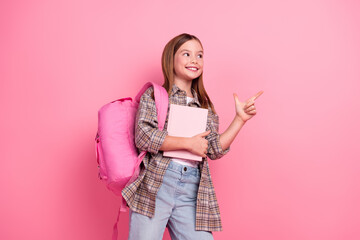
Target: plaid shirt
(141,194)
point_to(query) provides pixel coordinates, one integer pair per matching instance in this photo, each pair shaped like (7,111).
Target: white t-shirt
(190,163)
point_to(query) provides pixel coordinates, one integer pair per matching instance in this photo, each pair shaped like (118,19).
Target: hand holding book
(198,145)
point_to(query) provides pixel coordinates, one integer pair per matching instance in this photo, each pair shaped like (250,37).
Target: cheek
(180,65)
(201,65)
(181,61)
(177,62)
(177,67)
(178,70)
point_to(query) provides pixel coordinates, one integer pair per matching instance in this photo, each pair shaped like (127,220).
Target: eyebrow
(189,50)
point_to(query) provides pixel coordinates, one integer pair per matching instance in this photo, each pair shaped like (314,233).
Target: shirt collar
(176,89)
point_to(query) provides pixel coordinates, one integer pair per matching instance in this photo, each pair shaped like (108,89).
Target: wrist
(186,143)
(239,119)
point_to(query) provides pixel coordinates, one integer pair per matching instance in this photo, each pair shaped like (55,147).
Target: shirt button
(185,168)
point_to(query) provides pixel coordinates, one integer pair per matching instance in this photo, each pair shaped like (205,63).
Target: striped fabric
(140,195)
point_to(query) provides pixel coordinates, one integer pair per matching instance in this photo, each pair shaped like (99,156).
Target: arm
(197,144)
(227,137)
(174,143)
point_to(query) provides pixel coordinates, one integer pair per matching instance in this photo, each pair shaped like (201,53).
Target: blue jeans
(175,208)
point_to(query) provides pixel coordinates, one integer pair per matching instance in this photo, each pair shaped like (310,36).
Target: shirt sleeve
(147,135)
(215,150)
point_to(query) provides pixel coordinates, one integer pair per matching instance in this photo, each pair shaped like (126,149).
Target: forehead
(192,45)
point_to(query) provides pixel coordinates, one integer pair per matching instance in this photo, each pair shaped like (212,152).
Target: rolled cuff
(157,138)
(215,150)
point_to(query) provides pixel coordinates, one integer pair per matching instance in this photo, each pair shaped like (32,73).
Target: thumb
(236,98)
(204,133)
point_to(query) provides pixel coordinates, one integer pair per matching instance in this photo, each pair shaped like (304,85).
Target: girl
(172,192)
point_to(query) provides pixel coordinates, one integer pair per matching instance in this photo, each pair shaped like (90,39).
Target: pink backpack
(116,153)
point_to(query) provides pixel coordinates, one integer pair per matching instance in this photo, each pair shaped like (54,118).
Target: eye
(200,56)
(187,54)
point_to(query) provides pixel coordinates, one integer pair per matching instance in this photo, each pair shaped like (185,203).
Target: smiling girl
(178,193)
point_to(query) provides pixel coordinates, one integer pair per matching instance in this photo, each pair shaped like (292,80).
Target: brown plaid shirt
(141,194)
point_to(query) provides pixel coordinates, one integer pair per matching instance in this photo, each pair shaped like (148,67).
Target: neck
(184,85)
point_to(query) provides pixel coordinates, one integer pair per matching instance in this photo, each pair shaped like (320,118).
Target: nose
(193,60)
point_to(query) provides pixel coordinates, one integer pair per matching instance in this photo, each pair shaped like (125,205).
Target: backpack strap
(161,101)
(162,104)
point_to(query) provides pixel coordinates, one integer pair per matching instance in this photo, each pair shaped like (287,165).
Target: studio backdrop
(291,174)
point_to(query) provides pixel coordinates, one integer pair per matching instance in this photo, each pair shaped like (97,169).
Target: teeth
(192,68)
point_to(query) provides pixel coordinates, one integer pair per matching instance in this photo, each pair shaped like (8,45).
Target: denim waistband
(183,169)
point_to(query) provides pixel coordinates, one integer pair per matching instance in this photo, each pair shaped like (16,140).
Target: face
(188,61)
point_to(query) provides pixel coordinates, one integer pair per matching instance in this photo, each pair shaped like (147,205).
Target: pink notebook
(185,121)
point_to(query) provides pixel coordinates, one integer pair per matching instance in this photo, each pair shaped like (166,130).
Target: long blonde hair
(167,64)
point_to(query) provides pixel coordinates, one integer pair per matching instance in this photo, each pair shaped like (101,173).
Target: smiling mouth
(194,69)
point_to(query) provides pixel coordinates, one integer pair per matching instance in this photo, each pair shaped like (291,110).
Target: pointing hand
(246,110)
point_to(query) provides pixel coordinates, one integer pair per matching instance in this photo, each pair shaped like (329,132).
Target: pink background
(293,171)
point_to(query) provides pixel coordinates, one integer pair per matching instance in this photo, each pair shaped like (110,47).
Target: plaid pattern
(141,194)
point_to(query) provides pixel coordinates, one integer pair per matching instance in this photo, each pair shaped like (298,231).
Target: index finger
(257,95)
